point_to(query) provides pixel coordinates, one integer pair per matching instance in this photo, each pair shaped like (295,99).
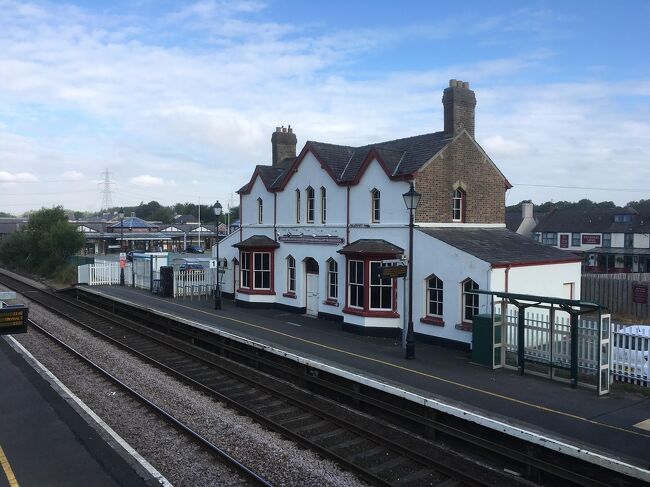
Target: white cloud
(72,176)
(147,181)
(498,146)
(20,177)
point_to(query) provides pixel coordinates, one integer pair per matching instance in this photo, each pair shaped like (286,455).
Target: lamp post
(120,214)
(217,292)
(412,199)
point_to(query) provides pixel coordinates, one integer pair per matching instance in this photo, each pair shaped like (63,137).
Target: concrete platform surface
(45,441)
(612,425)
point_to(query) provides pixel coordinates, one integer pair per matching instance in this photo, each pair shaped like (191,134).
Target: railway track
(378,452)
(148,406)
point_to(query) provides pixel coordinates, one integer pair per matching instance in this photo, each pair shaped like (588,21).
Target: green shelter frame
(574,308)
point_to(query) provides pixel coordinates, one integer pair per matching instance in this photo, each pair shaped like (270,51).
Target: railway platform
(44,440)
(615,427)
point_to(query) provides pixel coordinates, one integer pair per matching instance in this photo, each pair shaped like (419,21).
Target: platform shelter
(564,339)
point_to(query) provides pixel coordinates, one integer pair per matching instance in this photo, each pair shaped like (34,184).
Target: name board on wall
(591,239)
(640,293)
(311,239)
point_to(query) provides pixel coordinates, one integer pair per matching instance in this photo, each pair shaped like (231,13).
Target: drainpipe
(275,216)
(347,223)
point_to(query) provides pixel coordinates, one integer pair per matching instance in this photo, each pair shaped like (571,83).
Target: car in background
(191,267)
(194,249)
(630,352)
(136,253)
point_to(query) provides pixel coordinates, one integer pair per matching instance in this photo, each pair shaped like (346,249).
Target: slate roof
(401,157)
(499,246)
(595,220)
(132,222)
(371,246)
(257,241)
(185,219)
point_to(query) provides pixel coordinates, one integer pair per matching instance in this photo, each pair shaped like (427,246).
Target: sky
(177,101)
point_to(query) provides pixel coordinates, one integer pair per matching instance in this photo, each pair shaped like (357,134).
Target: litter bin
(482,340)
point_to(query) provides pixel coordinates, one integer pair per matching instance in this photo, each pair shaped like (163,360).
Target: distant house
(612,240)
(523,222)
(11,225)
(186,219)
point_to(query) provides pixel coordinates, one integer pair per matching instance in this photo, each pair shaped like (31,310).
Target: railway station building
(317,226)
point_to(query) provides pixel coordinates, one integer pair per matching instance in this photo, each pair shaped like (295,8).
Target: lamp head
(217,208)
(120,214)
(411,198)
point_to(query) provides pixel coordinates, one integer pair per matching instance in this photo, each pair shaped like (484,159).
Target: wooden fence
(622,295)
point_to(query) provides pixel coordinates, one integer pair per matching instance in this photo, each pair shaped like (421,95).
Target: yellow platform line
(413,371)
(7,469)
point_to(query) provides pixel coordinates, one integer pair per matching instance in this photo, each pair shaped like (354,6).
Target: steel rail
(175,422)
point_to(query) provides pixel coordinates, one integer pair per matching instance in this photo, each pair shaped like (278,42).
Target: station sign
(13,319)
(393,272)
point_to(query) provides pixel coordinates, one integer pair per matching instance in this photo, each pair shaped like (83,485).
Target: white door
(312,294)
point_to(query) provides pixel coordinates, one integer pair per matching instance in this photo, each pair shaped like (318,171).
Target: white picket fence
(102,274)
(630,351)
(630,345)
(194,283)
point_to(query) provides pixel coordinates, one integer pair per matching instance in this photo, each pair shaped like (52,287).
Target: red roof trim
(537,262)
(247,189)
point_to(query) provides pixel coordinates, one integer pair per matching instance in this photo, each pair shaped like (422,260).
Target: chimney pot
(283,144)
(459,106)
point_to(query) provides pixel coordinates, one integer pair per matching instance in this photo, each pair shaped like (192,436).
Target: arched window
(458,205)
(323,205)
(470,300)
(260,210)
(297,206)
(375,196)
(310,204)
(291,274)
(434,296)
(332,280)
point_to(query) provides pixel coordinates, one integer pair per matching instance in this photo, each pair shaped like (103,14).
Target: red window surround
(251,270)
(366,311)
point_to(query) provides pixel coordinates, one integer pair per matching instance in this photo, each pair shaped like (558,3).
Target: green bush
(44,245)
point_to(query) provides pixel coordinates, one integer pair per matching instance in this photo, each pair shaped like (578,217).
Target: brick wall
(484,186)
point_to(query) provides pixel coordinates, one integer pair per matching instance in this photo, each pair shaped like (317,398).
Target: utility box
(485,342)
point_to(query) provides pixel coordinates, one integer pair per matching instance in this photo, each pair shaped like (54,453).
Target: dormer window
(458,205)
(310,205)
(623,218)
(375,195)
(260,210)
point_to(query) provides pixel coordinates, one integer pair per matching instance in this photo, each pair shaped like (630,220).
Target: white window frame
(375,205)
(260,210)
(434,295)
(353,282)
(470,301)
(379,285)
(574,239)
(311,204)
(244,270)
(291,274)
(332,280)
(261,271)
(458,205)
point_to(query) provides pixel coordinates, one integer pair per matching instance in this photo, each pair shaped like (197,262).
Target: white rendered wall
(539,280)
(641,241)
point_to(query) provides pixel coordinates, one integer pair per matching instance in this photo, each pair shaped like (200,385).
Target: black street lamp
(412,199)
(217,208)
(120,215)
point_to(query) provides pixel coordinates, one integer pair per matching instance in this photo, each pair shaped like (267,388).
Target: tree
(44,245)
